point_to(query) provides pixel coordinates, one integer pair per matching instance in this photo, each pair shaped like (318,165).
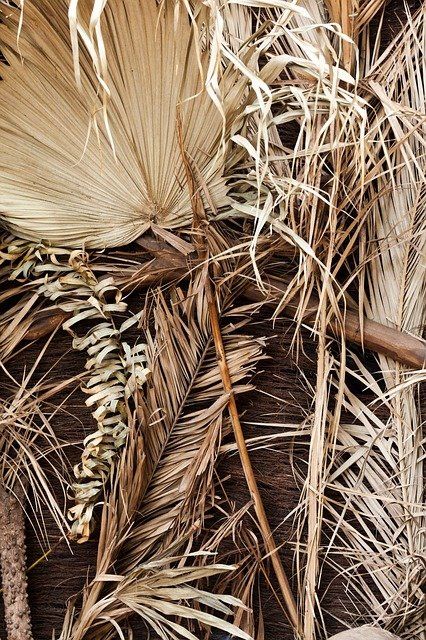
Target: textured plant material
(202,242)
(101,180)
(346,188)
(13,566)
(378,523)
(163,484)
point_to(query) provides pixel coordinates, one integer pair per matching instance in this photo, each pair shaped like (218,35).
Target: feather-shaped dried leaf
(180,424)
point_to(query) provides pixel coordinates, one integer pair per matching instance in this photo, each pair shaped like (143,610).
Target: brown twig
(396,344)
(245,458)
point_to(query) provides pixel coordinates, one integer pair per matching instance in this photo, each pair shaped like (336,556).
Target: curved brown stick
(13,567)
(169,265)
(399,346)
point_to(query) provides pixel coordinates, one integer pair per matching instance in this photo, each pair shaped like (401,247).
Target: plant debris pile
(167,169)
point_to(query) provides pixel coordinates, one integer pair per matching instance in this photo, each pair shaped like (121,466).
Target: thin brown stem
(374,336)
(245,459)
(200,229)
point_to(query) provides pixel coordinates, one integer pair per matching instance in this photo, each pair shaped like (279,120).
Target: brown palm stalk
(245,460)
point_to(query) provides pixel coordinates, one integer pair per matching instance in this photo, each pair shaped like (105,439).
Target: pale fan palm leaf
(62,181)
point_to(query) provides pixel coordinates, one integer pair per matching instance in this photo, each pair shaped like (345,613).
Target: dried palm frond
(114,368)
(308,193)
(378,523)
(19,300)
(353,17)
(203,239)
(302,197)
(106,164)
(300,194)
(27,439)
(161,494)
(246,551)
(62,182)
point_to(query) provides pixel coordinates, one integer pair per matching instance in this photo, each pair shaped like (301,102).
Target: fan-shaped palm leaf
(61,180)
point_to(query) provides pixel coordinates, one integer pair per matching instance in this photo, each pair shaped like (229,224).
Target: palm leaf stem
(245,459)
(201,227)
